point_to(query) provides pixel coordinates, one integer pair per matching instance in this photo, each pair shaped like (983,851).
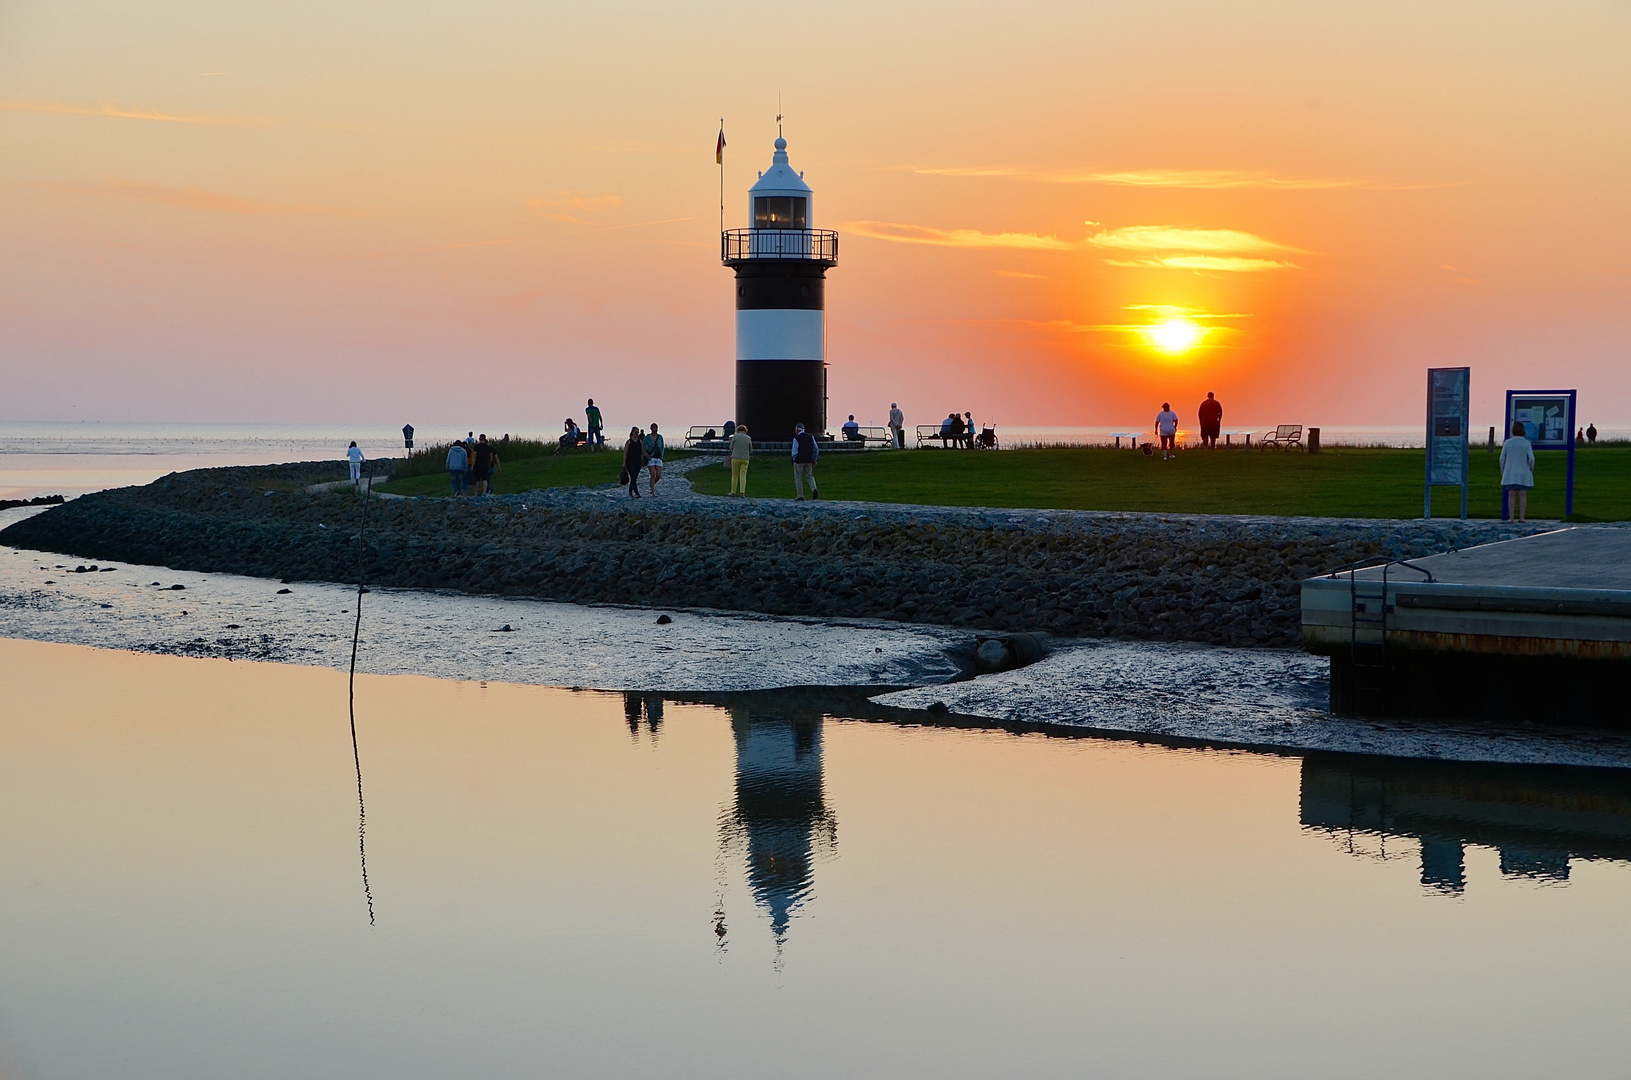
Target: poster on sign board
(1447,425)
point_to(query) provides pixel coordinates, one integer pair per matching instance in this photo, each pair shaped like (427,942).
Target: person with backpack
(805,453)
(654,459)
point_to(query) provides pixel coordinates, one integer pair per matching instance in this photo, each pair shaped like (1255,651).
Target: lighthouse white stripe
(781,334)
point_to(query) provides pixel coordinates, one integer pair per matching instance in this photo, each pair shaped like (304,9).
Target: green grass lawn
(569,470)
(1336,482)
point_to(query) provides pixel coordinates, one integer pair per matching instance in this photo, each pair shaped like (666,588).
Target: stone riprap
(1216,579)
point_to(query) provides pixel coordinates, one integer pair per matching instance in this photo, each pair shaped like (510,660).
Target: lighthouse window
(779,212)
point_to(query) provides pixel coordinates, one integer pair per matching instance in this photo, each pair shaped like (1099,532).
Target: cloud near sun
(1176,248)
(1165,247)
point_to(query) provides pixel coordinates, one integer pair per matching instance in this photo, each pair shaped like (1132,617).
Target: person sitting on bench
(572,438)
(852,430)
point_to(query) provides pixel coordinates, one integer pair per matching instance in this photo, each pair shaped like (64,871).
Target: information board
(1547,417)
(1447,397)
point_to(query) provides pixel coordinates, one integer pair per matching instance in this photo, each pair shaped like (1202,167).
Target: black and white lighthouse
(781,268)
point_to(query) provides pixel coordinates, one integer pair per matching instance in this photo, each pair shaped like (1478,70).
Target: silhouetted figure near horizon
(1211,416)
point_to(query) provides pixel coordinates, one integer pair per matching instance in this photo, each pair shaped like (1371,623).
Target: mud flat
(1217,580)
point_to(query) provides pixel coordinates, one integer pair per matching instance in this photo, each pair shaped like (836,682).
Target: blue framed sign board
(1447,400)
(1547,417)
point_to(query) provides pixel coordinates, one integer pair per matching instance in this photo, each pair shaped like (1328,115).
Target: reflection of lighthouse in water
(781,815)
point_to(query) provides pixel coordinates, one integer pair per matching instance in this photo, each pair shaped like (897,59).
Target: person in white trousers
(354,456)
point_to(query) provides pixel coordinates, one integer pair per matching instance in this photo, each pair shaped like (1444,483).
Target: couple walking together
(642,452)
(805,454)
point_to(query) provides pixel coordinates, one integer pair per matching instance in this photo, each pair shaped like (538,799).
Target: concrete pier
(1536,630)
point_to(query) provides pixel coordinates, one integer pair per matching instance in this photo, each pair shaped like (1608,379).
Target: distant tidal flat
(1216,580)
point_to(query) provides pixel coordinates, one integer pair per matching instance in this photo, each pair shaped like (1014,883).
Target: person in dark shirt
(1211,417)
(634,459)
(805,453)
(483,468)
(1591,433)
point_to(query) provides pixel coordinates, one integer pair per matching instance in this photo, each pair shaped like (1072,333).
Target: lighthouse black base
(774,395)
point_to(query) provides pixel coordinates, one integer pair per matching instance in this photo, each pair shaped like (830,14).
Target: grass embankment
(576,469)
(1336,482)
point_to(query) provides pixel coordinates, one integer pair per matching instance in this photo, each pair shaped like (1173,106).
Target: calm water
(588,885)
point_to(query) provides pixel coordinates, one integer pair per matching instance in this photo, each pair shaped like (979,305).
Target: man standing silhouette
(1211,421)
(597,437)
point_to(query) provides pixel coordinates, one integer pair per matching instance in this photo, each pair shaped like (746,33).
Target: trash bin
(1313,440)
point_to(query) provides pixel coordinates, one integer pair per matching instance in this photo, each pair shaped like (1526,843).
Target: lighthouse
(781,266)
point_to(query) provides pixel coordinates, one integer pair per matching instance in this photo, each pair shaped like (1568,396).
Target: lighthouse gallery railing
(740,245)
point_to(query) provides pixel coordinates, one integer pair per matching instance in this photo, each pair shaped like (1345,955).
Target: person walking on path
(741,454)
(1517,471)
(1166,426)
(354,456)
(634,459)
(805,453)
(457,461)
(654,459)
(597,437)
(1211,416)
(482,468)
(897,425)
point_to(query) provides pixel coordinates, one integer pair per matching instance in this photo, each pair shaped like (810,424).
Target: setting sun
(1174,336)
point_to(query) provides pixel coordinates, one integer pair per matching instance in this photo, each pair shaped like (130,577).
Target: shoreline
(1099,574)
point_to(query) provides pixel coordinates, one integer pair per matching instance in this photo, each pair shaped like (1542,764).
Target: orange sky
(489,211)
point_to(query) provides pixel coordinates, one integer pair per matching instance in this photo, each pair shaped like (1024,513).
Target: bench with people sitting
(1286,436)
(953,431)
(572,438)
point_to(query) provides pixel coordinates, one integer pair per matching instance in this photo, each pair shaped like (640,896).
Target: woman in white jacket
(1518,471)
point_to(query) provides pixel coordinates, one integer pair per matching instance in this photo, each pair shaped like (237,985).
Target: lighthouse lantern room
(781,268)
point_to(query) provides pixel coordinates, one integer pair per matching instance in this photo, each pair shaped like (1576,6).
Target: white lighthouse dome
(780,199)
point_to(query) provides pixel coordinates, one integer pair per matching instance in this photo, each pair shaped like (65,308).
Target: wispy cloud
(959,238)
(1204,179)
(558,205)
(1171,247)
(464,244)
(635,147)
(109,110)
(1180,238)
(1020,274)
(191,198)
(959,170)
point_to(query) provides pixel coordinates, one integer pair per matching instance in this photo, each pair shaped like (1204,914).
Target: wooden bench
(1284,437)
